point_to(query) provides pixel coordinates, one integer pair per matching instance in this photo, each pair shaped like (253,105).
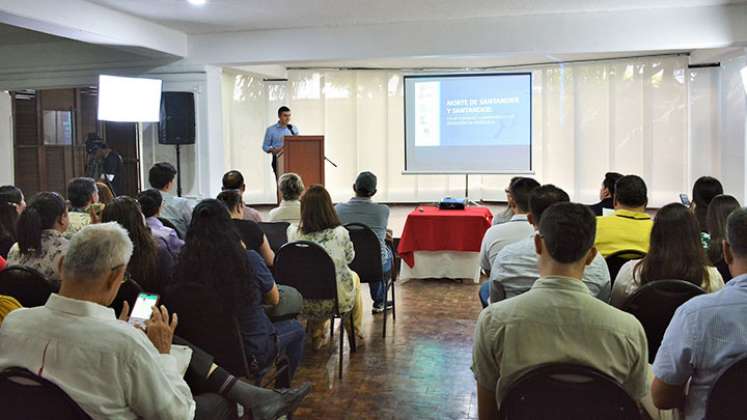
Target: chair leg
(394,303)
(332,330)
(351,335)
(386,294)
(342,331)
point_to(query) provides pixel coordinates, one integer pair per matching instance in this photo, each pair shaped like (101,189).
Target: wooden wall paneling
(58,99)
(122,137)
(56,169)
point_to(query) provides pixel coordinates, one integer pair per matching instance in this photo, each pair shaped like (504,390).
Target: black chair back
(24,395)
(367,262)
(565,392)
(616,260)
(276,232)
(308,268)
(654,305)
(723,402)
(168,224)
(204,323)
(128,291)
(28,286)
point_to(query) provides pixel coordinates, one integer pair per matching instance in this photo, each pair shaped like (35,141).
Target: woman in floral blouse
(40,230)
(320,224)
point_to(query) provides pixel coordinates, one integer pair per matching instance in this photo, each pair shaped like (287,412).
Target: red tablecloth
(429,229)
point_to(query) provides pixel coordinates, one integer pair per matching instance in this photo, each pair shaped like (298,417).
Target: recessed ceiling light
(197,2)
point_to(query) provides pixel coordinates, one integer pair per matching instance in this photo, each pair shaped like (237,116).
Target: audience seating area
(423,360)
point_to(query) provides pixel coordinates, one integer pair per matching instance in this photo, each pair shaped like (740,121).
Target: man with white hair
(109,368)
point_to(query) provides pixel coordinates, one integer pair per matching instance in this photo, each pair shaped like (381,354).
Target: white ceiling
(238,15)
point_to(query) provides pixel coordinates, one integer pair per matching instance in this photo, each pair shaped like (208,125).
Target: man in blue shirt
(706,334)
(360,209)
(275,134)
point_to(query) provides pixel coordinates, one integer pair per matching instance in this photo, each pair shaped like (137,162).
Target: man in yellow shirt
(630,227)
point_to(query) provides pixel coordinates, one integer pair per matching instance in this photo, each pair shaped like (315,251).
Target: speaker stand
(178,172)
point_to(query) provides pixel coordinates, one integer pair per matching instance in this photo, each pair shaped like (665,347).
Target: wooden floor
(420,371)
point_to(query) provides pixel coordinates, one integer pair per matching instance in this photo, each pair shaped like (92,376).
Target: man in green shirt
(558,320)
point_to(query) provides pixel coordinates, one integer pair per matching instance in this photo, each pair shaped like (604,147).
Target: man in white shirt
(515,270)
(515,229)
(109,368)
(176,210)
(511,231)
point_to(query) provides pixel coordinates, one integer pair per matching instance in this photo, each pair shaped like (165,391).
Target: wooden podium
(303,155)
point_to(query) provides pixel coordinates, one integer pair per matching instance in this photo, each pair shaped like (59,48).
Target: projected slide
(478,123)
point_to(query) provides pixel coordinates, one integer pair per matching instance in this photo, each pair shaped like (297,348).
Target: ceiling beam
(589,32)
(87,22)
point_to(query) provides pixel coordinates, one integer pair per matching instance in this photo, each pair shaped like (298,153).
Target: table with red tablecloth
(443,243)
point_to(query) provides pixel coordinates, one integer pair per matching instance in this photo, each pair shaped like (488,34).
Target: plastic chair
(567,391)
(24,395)
(367,262)
(308,268)
(616,260)
(723,401)
(204,323)
(276,232)
(654,305)
(28,286)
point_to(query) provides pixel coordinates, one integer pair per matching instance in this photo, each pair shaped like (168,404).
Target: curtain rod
(511,66)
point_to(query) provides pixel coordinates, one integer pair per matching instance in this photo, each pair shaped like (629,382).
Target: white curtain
(628,116)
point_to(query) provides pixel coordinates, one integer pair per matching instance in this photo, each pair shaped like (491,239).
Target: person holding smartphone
(109,368)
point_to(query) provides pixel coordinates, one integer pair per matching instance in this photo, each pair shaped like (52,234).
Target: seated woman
(252,236)
(151,265)
(214,256)
(290,187)
(718,210)
(40,230)
(320,224)
(12,204)
(676,253)
(151,202)
(83,196)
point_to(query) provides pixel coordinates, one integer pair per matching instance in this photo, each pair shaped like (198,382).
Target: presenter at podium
(275,134)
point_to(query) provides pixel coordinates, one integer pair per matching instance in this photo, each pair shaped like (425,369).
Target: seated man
(706,334)
(558,321)
(82,193)
(110,368)
(291,187)
(360,209)
(175,209)
(630,227)
(233,180)
(150,204)
(515,267)
(514,229)
(606,194)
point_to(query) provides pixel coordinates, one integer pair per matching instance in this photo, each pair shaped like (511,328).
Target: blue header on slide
(468,123)
(485,111)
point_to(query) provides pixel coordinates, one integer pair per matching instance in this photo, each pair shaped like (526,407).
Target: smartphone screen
(685,201)
(143,308)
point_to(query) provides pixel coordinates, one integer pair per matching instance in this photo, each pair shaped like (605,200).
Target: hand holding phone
(143,309)
(685,200)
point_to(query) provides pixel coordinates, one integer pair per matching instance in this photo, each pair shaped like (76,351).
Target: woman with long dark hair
(320,224)
(12,204)
(250,232)
(214,256)
(704,189)
(718,211)
(39,232)
(675,253)
(151,265)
